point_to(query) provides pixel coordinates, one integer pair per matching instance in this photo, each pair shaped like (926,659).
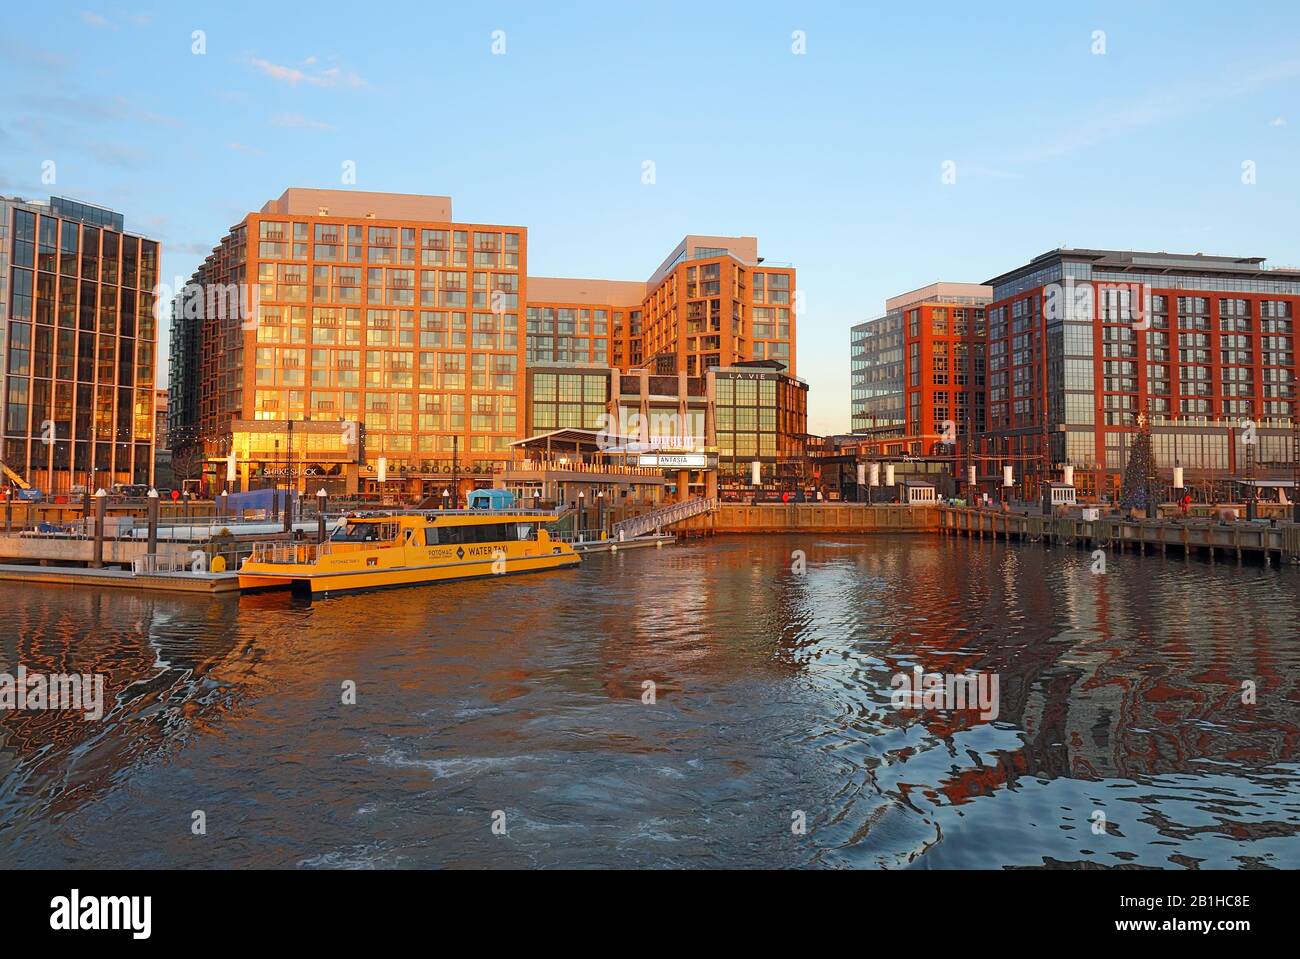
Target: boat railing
(288,553)
(434,513)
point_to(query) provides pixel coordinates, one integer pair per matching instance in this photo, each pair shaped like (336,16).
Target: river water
(521,704)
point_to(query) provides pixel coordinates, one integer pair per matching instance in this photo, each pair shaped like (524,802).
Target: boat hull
(317,582)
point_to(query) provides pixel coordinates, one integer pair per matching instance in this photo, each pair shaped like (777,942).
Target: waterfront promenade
(129,563)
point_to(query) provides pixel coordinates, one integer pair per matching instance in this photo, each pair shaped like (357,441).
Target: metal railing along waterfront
(161,563)
(657,519)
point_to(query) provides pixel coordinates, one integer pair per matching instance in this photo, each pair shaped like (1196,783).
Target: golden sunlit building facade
(714,302)
(412,332)
(377,312)
(77,312)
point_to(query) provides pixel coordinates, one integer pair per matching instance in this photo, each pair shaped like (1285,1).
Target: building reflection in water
(162,661)
(1120,692)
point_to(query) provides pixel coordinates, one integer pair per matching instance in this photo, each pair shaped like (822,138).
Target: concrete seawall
(812,518)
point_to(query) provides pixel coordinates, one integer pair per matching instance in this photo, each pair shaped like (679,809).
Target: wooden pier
(1268,541)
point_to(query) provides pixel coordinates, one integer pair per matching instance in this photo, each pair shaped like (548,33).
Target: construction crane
(25,489)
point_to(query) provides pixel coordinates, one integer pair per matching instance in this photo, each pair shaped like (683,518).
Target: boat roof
(452,517)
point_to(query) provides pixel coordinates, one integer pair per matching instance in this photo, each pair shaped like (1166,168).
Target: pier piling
(101,504)
(152,520)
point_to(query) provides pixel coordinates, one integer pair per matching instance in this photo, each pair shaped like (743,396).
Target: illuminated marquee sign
(681,461)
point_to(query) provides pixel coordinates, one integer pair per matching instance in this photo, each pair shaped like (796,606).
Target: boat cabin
(491,499)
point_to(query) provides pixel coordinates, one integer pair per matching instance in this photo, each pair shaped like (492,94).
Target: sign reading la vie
(673,460)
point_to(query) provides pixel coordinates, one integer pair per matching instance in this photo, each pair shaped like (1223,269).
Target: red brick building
(1080,342)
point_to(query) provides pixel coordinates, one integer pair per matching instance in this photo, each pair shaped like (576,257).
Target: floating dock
(174,582)
(613,545)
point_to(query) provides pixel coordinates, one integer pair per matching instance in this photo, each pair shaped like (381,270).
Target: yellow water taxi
(376,550)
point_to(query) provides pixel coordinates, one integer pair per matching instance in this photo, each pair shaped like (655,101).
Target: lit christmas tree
(1137,490)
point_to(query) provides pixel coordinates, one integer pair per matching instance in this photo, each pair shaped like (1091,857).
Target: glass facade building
(78,309)
(918,371)
(760,415)
(563,396)
(876,352)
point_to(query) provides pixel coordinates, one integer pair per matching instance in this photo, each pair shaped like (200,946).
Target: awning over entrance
(580,441)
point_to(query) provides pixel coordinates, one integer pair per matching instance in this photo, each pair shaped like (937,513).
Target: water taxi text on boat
(372,550)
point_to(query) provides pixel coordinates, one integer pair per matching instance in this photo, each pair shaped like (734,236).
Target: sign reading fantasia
(673,460)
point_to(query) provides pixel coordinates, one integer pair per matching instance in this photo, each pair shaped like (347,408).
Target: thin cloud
(992,173)
(86,107)
(100,22)
(1277,122)
(296,121)
(59,138)
(117,154)
(191,249)
(1157,107)
(329,78)
(244,148)
(160,119)
(45,60)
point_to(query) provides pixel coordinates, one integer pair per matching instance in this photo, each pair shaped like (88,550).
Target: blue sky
(833,158)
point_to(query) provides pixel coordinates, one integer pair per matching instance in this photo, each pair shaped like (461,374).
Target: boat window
(482,533)
(356,533)
(524,531)
(431,536)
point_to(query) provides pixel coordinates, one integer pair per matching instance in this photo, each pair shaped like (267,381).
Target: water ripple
(1124,734)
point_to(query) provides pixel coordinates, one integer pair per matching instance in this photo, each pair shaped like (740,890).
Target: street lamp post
(275,484)
(600,512)
(582,515)
(446,496)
